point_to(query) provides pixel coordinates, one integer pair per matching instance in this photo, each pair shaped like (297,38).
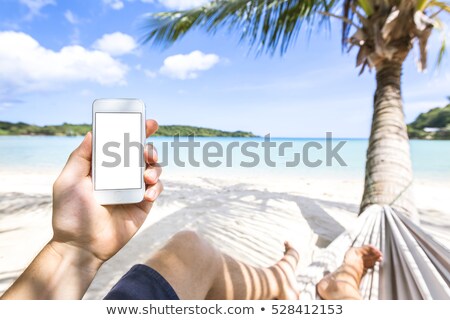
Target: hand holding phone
(80,222)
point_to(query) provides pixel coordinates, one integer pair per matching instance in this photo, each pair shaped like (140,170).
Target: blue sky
(57,56)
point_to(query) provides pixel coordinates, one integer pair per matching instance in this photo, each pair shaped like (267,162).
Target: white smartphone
(118,150)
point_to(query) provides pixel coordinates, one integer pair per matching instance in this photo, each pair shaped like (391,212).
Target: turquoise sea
(431,159)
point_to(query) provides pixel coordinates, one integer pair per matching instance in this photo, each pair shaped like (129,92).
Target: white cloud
(187,66)
(73,19)
(26,66)
(171,4)
(179,4)
(114,4)
(35,6)
(70,16)
(115,44)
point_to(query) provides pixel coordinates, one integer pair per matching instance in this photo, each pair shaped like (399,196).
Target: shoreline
(221,137)
(30,180)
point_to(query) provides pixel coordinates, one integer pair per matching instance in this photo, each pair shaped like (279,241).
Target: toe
(291,255)
(370,255)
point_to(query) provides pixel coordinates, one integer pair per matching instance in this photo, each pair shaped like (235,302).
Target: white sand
(246,217)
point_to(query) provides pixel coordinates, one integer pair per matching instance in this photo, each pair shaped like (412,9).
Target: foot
(343,284)
(284,272)
(363,257)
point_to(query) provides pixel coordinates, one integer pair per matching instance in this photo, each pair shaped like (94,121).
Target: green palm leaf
(444,6)
(269,24)
(421,4)
(366,5)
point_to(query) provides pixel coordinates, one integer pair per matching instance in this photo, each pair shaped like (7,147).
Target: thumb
(79,163)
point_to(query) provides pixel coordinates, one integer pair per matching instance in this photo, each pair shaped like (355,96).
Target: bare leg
(197,270)
(343,284)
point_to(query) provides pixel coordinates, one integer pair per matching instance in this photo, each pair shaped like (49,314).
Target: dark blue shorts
(142,283)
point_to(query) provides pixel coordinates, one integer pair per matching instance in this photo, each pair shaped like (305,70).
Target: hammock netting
(414,265)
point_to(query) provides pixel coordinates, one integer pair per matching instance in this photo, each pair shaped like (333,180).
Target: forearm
(59,271)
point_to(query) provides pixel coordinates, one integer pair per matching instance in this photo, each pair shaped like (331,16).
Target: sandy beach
(246,217)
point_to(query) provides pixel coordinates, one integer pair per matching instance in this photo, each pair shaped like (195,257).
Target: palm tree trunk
(388,166)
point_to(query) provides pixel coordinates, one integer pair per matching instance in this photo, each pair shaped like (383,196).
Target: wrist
(74,256)
(59,271)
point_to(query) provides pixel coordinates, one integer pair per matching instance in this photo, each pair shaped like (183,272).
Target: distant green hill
(199,132)
(66,129)
(432,125)
(22,128)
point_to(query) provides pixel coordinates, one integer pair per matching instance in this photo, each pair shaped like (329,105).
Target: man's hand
(79,221)
(85,234)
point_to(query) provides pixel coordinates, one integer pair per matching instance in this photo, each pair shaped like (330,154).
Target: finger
(153,192)
(151,174)
(150,154)
(79,162)
(151,126)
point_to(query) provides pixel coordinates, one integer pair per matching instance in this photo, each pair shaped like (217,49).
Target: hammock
(414,265)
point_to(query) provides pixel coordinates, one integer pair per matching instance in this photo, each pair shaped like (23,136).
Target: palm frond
(421,5)
(266,24)
(348,13)
(443,6)
(440,25)
(442,51)
(381,28)
(366,5)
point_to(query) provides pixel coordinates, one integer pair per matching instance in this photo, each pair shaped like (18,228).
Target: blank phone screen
(118,150)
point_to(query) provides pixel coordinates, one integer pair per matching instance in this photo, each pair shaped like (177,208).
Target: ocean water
(431,159)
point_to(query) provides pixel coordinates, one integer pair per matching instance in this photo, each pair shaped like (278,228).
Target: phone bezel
(118,196)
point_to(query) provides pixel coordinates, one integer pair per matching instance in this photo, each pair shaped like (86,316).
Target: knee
(189,263)
(187,240)
(192,250)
